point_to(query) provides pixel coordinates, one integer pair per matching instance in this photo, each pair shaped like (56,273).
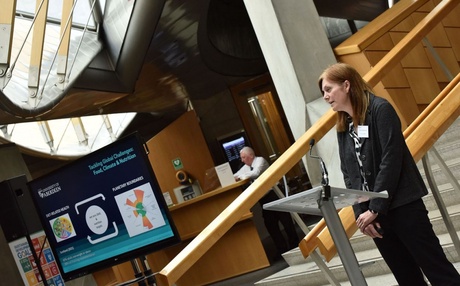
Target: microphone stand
(324,173)
(335,226)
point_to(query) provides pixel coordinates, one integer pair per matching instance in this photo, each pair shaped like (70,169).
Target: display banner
(27,266)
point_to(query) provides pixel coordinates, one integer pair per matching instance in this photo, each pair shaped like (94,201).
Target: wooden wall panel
(452,34)
(448,58)
(406,25)
(453,19)
(423,84)
(182,139)
(358,60)
(384,43)
(405,97)
(416,58)
(437,36)
(428,6)
(396,78)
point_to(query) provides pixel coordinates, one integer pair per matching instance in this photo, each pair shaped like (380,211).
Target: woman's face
(336,94)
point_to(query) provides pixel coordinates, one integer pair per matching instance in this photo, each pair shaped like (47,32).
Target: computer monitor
(103,209)
(231,146)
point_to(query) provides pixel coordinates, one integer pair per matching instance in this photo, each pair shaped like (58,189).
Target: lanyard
(357,141)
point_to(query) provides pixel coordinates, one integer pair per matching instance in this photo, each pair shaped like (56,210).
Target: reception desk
(239,251)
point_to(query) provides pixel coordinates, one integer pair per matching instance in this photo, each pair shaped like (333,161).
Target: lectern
(324,201)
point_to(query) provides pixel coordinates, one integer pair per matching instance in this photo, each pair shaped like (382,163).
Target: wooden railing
(434,120)
(216,229)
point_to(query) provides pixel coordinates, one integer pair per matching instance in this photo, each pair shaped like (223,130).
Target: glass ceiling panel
(64,141)
(68,137)
(80,15)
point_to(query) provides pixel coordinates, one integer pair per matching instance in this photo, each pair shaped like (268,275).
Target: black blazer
(387,162)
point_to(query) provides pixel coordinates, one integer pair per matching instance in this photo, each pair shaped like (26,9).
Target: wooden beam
(66,27)
(7,13)
(38,39)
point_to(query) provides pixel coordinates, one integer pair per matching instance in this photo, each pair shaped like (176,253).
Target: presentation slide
(103,207)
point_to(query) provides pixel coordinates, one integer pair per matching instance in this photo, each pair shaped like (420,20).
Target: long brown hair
(359,92)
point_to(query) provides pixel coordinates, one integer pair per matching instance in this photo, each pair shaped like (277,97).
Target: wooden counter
(239,251)
(191,217)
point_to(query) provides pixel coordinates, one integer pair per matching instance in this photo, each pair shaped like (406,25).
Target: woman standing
(374,157)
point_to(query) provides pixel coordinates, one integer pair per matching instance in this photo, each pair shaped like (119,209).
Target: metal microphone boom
(325,176)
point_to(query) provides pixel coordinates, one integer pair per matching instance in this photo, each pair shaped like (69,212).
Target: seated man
(252,168)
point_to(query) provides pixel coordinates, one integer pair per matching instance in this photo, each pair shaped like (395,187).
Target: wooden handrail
(308,244)
(435,124)
(378,27)
(219,226)
(314,239)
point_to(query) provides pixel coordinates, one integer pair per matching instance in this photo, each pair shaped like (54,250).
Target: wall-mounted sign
(177,163)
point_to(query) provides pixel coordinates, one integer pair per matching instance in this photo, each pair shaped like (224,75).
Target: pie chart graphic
(62,227)
(140,210)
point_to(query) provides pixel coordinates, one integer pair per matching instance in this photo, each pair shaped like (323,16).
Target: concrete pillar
(297,50)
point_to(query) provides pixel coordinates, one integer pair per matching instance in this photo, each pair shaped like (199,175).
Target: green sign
(177,163)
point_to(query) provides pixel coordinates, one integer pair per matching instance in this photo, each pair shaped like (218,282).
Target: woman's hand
(366,225)
(373,230)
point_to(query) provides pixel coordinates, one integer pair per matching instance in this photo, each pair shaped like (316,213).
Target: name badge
(363,131)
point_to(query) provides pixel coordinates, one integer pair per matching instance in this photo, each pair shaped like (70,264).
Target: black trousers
(410,246)
(272,220)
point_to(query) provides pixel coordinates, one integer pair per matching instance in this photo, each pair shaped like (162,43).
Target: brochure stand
(325,200)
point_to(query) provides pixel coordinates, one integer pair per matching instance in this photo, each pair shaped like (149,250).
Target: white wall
(297,50)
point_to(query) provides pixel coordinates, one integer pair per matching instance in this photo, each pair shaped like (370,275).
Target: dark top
(387,162)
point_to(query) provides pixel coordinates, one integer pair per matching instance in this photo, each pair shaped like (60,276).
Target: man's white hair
(248,151)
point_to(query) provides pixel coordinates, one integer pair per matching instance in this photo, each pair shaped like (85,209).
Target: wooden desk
(192,216)
(239,251)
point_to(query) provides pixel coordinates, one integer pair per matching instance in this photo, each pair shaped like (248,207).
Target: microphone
(325,176)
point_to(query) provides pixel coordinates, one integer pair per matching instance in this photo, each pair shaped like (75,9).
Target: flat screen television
(103,209)
(231,146)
